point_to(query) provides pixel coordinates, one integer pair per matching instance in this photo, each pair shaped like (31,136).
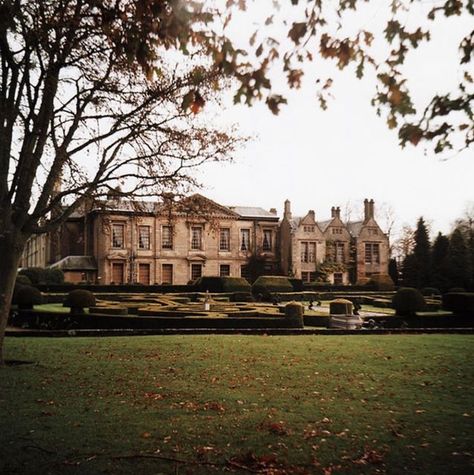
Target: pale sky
(318,159)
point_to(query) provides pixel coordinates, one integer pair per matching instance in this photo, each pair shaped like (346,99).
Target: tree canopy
(319,31)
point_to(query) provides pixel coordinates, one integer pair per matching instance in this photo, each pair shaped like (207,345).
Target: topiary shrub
(429,291)
(78,300)
(297,284)
(381,282)
(241,297)
(22,280)
(221,284)
(35,274)
(25,296)
(267,284)
(294,312)
(460,303)
(54,276)
(407,301)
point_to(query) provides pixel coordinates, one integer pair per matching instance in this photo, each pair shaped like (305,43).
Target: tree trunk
(11,248)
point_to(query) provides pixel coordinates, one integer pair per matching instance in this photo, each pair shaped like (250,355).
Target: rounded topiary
(22,279)
(407,301)
(429,291)
(35,274)
(294,312)
(25,296)
(54,276)
(79,299)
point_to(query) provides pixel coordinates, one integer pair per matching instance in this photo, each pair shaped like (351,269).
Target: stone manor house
(120,241)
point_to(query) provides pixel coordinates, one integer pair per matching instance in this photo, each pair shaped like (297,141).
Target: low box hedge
(54,321)
(266,285)
(221,284)
(460,303)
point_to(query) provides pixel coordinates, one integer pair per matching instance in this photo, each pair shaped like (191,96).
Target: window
(224,239)
(339,251)
(224,270)
(338,278)
(144,274)
(167,273)
(245,272)
(196,238)
(308,276)
(308,252)
(337,230)
(308,229)
(373,231)
(245,239)
(117,272)
(117,236)
(196,271)
(143,237)
(167,237)
(372,253)
(267,240)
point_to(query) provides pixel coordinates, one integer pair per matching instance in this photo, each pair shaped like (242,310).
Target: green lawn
(244,404)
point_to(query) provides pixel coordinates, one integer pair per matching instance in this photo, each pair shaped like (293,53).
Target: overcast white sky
(318,159)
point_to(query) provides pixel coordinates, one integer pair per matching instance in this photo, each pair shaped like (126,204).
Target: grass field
(239,404)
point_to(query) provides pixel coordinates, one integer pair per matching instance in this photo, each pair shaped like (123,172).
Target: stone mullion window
(372,253)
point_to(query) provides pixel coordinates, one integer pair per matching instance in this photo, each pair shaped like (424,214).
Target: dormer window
(337,230)
(308,229)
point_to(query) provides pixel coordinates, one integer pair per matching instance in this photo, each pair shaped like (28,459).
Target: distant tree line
(446,263)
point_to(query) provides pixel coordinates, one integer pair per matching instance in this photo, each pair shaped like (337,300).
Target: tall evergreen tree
(393,270)
(440,275)
(459,261)
(422,253)
(409,271)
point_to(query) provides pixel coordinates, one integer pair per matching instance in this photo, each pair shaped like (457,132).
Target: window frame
(196,245)
(244,239)
(224,239)
(225,274)
(267,242)
(167,241)
(115,226)
(146,245)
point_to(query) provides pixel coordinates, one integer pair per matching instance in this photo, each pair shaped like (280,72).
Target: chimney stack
(287,212)
(368,209)
(336,212)
(312,214)
(273,211)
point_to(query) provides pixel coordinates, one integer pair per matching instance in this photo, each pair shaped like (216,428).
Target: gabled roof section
(355,227)
(323,225)
(295,223)
(199,205)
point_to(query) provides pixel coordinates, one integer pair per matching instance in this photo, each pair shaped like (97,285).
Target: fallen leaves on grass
(266,464)
(373,457)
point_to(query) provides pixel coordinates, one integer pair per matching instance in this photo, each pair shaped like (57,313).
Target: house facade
(161,243)
(121,241)
(334,251)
